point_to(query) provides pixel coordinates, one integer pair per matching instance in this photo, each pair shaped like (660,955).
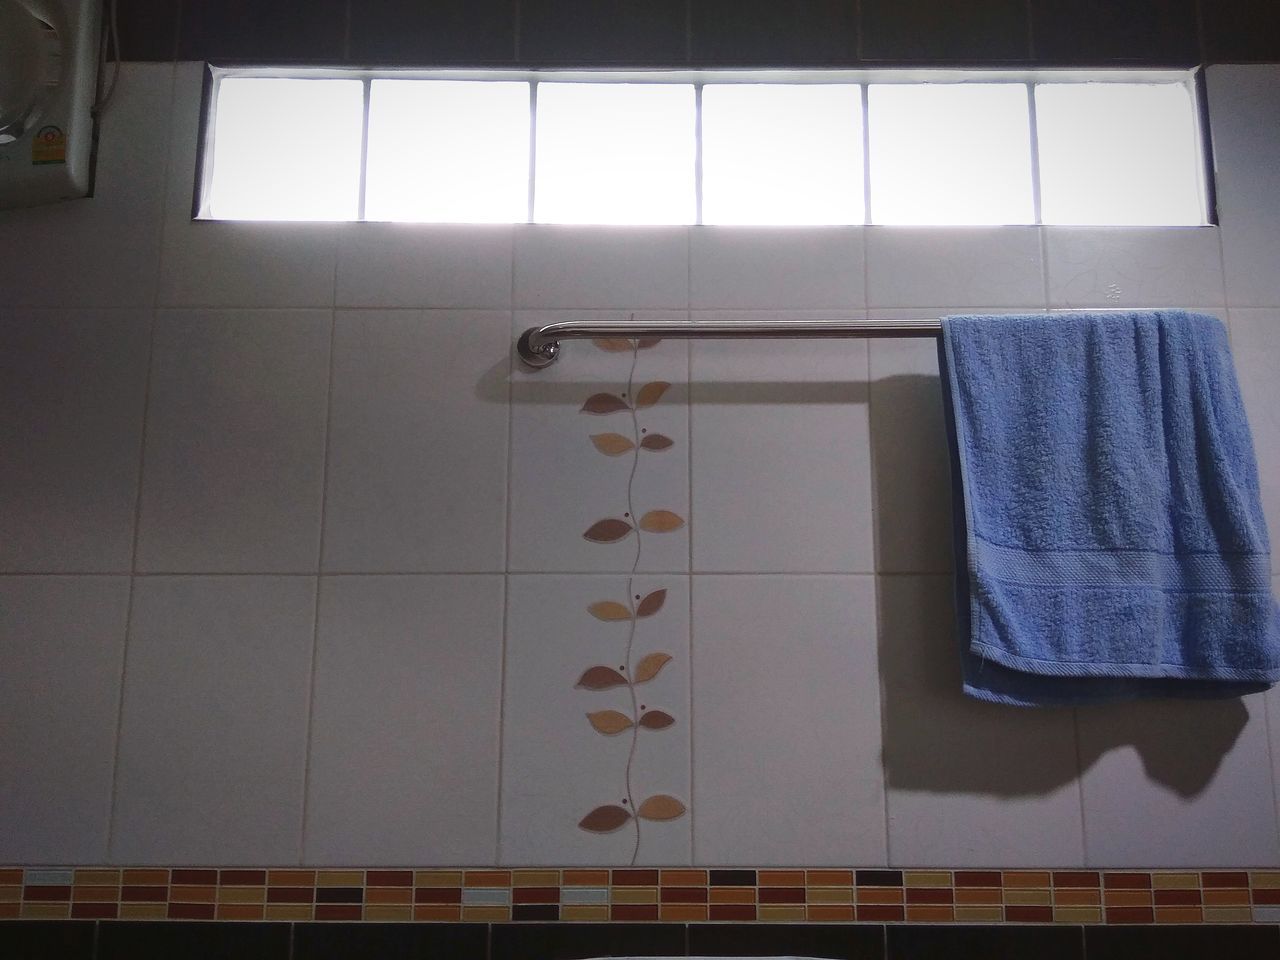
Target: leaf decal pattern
(605,819)
(607,531)
(651,604)
(651,393)
(602,678)
(660,807)
(661,521)
(613,444)
(611,817)
(655,720)
(611,722)
(650,666)
(609,610)
(602,403)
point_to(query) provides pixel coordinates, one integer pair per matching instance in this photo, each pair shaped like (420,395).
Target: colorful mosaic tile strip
(679,894)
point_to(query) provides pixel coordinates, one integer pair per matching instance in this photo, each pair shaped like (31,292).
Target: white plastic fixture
(615,153)
(448,151)
(286,149)
(1119,154)
(950,154)
(782,153)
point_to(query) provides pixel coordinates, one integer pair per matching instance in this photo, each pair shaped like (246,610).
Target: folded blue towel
(1110,541)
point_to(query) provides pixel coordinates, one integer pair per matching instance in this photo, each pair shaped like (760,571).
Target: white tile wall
(72,388)
(807,612)
(61,651)
(214,723)
(403,766)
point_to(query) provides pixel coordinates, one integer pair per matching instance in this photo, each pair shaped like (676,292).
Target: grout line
(315,613)
(502,710)
(689,525)
(506,562)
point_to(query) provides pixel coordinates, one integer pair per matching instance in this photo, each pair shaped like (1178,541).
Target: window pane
(1118,153)
(614,153)
(950,154)
(782,154)
(448,151)
(286,149)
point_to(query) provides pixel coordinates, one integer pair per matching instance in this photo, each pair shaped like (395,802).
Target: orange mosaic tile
(585,878)
(828,878)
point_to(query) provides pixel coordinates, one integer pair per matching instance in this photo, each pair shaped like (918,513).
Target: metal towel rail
(539,347)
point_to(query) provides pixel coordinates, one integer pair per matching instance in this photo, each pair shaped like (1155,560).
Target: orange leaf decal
(660,807)
(651,393)
(660,521)
(655,441)
(607,531)
(601,403)
(608,610)
(651,604)
(644,343)
(611,722)
(606,819)
(602,678)
(649,667)
(612,444)
(613,344)
(655,720)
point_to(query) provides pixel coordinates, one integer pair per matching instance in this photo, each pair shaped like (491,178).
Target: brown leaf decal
(600,403)
(611,722)
(660,807)
(651,393)
(651,604)
(649,667)
(606,819)
(613,344)
(660,521)
(655,720)
(644,343)
(607,531)
(612,444)
(609,610)
(602,678)
(655,441)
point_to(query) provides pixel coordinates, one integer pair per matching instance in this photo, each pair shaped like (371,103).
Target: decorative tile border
(680,895)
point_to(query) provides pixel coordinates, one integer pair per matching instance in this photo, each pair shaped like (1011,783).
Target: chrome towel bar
(538,347)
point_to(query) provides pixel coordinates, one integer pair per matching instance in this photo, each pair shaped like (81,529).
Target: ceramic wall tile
(781,454)
(1255,345)
(1244,115)
(791,268)
(61,651)
(234,458)
(1134,266)
(417,475)
(596,721)
(968,783)
(214,722)
(424,265)
(629,268)
(72,389)
(931,267)
(226,263)
(1198,769)
(786,721)
(404,721)
(600,455)
(102,251)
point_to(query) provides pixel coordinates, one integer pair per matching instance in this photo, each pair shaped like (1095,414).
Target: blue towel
(1110,542)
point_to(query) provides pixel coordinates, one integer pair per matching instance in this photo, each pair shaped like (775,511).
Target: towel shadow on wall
(935,738)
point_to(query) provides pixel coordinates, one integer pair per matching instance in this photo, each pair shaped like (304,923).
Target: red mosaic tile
(1224,878)
(242,878)
(1266,896)
(46,894)
(1075,878)
(193,876)
(1126,881)
(732,911)
(1177,898)
(191,911)
(1016,913)
(137,894)
(977,878)
(929,895)
(635,878)
(290,894)
(338,911)
(1130,915)
(437,895)
(781,894)
(389,878)
(94,911)
(880,913)
(685,894)
(535,895)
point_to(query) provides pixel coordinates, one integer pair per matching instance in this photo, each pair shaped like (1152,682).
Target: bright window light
(615,153)
(1118,153)
(448,151)
(782,154)
(950,153)
(286,149)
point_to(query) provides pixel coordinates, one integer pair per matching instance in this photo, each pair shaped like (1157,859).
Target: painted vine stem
(613,723)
